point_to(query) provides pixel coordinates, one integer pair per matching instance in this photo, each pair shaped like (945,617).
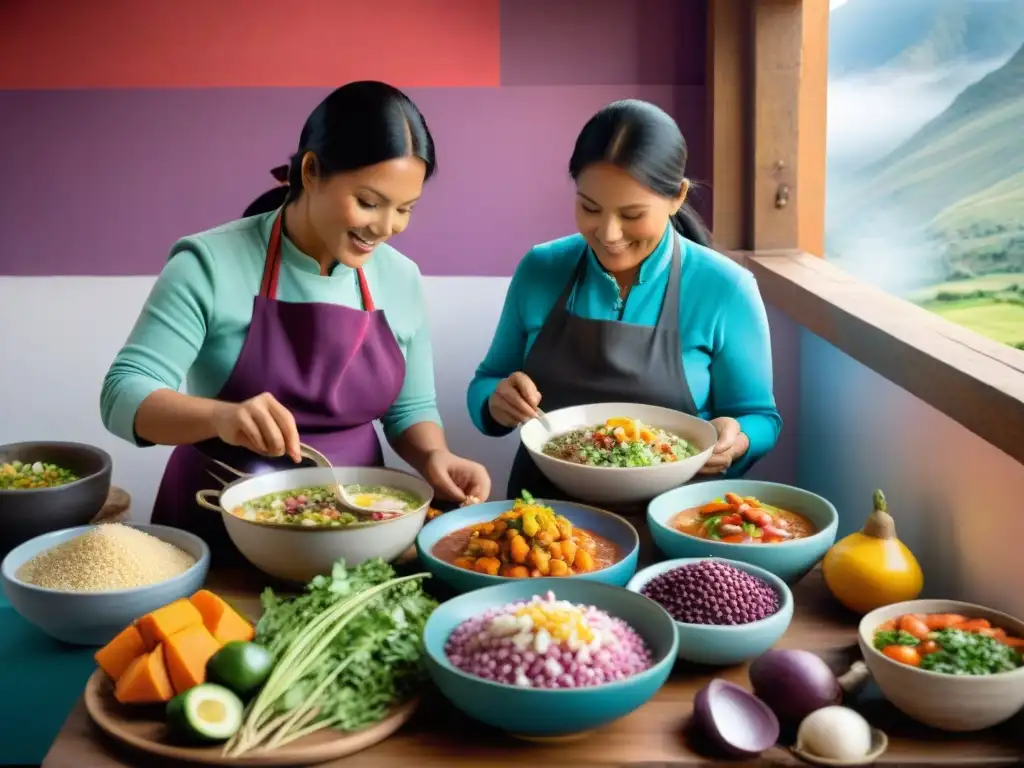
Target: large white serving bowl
(296,553)
(618,485)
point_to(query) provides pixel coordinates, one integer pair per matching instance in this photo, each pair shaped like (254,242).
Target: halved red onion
(734,719)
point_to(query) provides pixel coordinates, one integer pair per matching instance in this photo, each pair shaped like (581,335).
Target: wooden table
(656,734)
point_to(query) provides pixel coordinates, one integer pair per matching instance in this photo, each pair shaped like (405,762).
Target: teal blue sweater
(198,314)
(726,347)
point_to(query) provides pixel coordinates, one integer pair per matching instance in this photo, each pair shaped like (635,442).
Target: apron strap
(272,268)
(272,263)
(669,317)
(364,291)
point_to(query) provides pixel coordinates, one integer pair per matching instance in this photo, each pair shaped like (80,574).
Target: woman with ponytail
(636,307)
(299,323)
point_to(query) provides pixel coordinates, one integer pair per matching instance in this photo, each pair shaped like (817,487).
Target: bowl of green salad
(618,453)
(48,486)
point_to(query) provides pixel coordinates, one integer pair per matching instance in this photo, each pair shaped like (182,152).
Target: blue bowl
(94,618)
(789,560)
(605,524)
(726,644)
(551,713)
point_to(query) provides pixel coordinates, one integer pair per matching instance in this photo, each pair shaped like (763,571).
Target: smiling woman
(278,321)
(634,308)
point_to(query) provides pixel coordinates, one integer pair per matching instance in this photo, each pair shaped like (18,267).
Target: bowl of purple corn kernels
(726,612)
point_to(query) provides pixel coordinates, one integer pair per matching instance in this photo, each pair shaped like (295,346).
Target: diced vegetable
(949,643)
(17,475)
(224,623)
(117,655)
(529,540)
(158,626)
(619,442)
(146,680)
(187,653)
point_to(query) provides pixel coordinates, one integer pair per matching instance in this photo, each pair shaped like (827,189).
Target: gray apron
(576,361)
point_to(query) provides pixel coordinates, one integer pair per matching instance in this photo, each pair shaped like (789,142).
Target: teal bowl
(726,644)
(605,524)
(94,618)
(545,714)
(789,560)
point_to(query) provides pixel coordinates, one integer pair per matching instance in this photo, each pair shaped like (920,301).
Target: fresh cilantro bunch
(379,652)
(967,653)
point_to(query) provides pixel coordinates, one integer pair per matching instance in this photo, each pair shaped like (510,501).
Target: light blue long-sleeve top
(726,347)
(198,314)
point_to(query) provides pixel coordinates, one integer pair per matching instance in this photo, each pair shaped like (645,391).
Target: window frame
(767,111)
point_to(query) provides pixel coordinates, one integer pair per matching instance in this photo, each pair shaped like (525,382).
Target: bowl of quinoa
(725,611)
(48,486)
(549,657)
(83,585)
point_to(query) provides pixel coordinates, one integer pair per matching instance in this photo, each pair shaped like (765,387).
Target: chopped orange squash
(158,626)
(145,681)
(117,655)
(223,621)
(187,652)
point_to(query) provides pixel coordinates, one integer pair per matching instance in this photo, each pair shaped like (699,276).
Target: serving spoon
(320,460)
(377,505)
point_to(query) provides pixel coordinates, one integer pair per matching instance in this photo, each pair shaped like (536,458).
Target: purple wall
(106,180)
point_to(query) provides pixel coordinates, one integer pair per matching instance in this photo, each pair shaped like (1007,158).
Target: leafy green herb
(894,637)
(346,651)
(967,653)
(711,526)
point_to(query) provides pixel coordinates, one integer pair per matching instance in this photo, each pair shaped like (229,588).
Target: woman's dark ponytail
(688,223)
(269,201)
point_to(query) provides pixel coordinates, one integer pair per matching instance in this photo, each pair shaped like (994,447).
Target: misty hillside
(866,35)
(959,180)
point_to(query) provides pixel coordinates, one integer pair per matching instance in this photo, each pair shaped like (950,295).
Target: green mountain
(866,35)
(958,182)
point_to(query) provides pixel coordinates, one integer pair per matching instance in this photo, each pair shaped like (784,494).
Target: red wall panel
(223,43)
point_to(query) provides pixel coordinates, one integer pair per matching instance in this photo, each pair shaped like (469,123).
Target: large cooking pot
(298,553)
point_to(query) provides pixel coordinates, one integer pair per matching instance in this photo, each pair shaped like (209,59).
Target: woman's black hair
(358,124)
(361,124)
(644,141)
(272,199)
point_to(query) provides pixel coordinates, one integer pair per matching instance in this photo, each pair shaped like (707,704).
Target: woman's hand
(514,400)
(731,445)
(455,478)
(260,424)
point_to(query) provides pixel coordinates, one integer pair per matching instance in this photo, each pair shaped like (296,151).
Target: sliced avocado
(208,713)
(241,667)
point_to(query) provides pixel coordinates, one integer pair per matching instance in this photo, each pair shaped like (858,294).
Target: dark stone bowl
(25,514)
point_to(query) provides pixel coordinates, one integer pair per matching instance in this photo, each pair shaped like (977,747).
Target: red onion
(734,719)
(794,683)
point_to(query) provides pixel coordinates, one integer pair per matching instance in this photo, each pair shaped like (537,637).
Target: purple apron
(335,368)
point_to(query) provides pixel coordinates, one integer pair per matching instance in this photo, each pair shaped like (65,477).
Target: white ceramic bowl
(947,702)
(618,485)
(295,553)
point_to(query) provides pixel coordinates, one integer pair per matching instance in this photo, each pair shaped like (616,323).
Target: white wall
(956,499)
(61,334)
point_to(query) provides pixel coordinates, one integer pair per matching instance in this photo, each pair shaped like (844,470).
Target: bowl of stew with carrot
(948,664)
(784,529)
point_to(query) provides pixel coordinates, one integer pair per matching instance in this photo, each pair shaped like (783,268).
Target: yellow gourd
(872,567)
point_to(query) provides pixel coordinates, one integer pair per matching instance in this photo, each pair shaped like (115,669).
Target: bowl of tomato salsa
(781,528)
(948,664)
